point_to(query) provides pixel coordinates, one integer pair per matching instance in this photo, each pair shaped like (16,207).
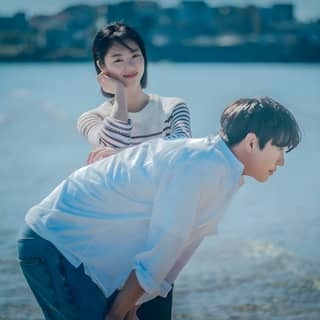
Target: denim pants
(67,293)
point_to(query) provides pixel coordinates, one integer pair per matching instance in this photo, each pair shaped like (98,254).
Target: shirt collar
(236,165)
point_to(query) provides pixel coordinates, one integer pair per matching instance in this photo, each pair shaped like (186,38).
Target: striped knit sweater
(162,116)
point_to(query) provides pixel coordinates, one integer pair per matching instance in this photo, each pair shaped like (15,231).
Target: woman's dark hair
(117,33)
(266,118)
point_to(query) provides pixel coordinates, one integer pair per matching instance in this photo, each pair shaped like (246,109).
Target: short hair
(265,117)
(110,34)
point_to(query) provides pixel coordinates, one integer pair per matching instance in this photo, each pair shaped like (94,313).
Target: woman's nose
(131,63)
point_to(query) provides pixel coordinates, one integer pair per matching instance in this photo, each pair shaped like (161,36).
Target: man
(116,234)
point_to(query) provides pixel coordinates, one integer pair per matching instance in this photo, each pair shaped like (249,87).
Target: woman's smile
(130,75)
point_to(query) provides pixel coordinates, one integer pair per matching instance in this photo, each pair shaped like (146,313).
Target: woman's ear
(100,66)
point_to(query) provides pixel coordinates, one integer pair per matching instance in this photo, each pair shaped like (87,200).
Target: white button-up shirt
(146,208)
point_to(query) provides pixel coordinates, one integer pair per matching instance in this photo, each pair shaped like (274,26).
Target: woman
(129,116)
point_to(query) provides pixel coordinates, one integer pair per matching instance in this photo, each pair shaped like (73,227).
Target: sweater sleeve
(180,122)
(104,131)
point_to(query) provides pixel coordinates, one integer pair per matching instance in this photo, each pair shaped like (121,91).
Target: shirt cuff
(146,280)
(165,288)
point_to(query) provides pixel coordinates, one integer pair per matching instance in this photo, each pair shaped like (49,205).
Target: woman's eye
(118,60)
(136,55)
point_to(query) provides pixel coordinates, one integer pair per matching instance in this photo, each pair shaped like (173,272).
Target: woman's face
(126,65)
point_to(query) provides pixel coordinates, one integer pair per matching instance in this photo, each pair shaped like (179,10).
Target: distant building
(236,20)
(141,15)
(16,22)
(190,31)
(193,18)
(276,15)
(282,13)
(16,36)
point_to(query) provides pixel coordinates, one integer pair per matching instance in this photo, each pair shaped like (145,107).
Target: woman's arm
(180,121)
(111,84)
(104,132)
(113,130)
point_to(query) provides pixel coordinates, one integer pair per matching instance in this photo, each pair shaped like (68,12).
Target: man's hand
(132,314)
(124,305)
(113,317)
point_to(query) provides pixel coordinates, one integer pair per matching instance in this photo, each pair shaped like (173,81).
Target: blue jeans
(67,293)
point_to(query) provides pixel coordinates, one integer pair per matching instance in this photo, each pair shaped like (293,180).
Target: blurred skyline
(304,9)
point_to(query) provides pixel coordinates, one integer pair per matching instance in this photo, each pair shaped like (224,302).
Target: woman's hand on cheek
(109,82)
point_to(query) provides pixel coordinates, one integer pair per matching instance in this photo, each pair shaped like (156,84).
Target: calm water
(263,265)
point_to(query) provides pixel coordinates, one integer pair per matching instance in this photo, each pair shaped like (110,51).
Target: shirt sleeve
(180,122)
(166,284)
(173,217)
(105,132)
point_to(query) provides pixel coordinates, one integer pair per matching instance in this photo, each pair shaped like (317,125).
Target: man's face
(263,163)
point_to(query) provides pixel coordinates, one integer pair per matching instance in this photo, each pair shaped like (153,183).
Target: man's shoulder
(207,158)
(198,154)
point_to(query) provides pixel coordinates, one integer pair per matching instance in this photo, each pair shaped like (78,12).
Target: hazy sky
(305,9)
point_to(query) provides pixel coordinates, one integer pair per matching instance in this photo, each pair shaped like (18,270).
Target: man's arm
(125,302)
(174,213)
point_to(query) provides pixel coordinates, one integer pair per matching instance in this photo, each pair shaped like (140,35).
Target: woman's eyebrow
(116,54)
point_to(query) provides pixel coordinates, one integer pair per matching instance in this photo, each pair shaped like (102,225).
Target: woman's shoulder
(167,104)
(103,109)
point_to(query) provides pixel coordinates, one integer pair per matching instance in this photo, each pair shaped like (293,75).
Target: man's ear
(251,141)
